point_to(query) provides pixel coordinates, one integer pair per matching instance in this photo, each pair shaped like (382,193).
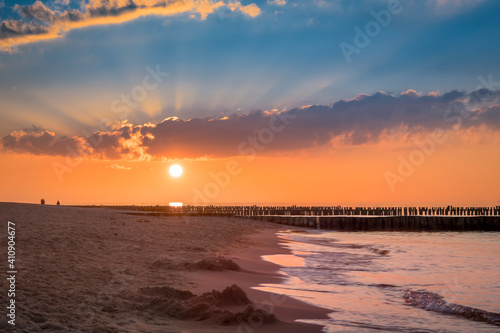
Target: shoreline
(255,271)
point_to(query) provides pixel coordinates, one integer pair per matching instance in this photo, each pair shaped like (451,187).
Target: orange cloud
(380,118)
(41,23)
(119,167)
(251,10)
(411,93)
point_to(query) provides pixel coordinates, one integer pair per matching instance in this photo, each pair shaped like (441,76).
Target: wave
(435,302)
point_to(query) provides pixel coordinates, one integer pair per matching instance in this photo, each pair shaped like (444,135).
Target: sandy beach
(103,270)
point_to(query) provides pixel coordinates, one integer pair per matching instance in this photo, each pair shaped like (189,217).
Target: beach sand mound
(232,295)
(213,264)
(184,305)
(166,292)
(207,264)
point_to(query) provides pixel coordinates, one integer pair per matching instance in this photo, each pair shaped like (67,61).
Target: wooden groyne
(448,218)
(317,210)
(389,223)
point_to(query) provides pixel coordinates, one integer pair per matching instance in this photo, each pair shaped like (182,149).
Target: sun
(175,170)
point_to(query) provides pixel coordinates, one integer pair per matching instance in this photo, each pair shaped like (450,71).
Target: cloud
(119,167)
(455,2)
(251,10)
(39,22)
(11,29)
(37,11)
(277,2)
(410,93)
(42,142)
(447,7)
(361,120)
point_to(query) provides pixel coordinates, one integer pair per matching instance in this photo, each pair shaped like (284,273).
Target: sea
(394,281)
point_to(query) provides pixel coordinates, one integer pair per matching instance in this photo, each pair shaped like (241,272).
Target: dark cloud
(364,119)
(17,28)
(106,145)
(38,20)
(41,143)
(490,117)
(72,15)
(36,11)
(111,10)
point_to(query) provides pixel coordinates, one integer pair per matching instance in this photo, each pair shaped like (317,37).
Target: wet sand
(102,270)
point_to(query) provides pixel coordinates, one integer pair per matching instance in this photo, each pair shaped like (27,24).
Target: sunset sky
(364,102)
